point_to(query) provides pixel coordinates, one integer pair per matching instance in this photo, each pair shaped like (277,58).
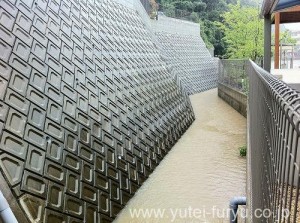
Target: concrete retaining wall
(78,134)
(176,26)
(234,98)
(185,53)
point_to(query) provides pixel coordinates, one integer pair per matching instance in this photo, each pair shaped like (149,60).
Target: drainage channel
(197,179)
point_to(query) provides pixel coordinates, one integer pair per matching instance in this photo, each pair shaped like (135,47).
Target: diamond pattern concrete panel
(88,107)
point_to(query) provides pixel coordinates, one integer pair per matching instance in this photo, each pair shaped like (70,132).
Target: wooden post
(277,32)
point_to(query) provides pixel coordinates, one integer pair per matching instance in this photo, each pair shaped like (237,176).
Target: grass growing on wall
(243,151)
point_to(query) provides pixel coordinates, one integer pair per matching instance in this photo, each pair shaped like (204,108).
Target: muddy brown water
(201,173)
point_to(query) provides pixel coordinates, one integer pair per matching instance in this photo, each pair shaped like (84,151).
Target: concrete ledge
(234,98)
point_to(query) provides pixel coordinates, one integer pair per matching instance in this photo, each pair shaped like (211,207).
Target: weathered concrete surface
(185,53)
(176,26)
(234,98)
(201,171)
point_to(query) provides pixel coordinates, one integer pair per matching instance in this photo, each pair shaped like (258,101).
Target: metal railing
(233,74)
(274,160)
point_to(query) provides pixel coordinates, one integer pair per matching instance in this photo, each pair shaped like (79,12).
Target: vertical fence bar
(274,116)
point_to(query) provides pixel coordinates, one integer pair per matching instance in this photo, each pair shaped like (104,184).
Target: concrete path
(196,180)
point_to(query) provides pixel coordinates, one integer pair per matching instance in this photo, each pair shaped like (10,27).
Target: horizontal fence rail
(233,74)
(274,117)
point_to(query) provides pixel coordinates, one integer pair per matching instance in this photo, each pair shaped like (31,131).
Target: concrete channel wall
(234,98)
(88,108)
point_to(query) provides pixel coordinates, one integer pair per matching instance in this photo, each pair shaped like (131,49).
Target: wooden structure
(278,12)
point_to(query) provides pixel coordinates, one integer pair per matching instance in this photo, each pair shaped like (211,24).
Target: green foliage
(169,10)
(243,30)
(243,151)
(212,36)
(247,3)
(206,33)
(194,17)
(209,13)
(285,37)
(199,6)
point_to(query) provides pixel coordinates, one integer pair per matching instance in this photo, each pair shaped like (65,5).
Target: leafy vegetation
(208,13)
(243,151)
(232,27)
(285,37)
(243,32)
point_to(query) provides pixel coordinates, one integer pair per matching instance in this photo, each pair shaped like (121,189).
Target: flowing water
(201,173)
